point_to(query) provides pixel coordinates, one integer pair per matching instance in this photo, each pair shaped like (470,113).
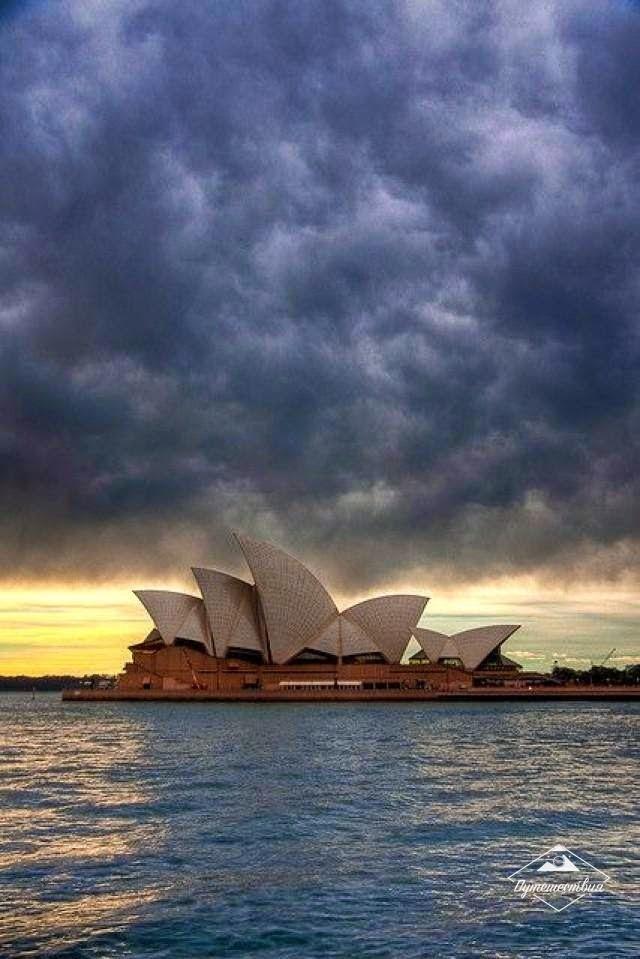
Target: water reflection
(345,830)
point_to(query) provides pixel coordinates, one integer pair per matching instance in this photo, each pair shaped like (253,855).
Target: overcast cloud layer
(359,276)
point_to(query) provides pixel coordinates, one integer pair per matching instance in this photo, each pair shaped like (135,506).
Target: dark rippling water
(303,831)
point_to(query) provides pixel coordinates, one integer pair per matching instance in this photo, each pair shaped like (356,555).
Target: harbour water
(296,831)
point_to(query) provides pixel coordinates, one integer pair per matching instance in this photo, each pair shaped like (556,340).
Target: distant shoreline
(54,683)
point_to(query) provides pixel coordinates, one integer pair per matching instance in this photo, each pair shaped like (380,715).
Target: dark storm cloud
(358,276)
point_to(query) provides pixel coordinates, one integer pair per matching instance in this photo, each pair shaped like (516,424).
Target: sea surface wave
(296,831)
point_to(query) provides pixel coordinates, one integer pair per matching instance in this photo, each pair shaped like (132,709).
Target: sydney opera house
(282,636)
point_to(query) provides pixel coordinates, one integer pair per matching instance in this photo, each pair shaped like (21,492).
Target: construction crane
(601,663)
(608,656)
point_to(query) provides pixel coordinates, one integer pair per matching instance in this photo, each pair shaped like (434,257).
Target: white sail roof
(295,604)
(174,613)
(196,629)
(431,642)
(230,608)
(476,644)
(471,646)
(289,609)
(342,633)
(389,621)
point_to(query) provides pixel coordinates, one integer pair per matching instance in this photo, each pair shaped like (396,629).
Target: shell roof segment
(389,621)
(431,642)
(295,604)
(230,608)
(471,646)
(175,614)
(476,644)
(196,628)
(342,637)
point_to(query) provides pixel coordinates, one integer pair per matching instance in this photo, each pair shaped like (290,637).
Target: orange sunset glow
(87,628)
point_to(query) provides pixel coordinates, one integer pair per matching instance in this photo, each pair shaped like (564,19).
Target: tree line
(52,683)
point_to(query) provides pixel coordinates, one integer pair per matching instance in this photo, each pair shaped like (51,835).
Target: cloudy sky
(360,277)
